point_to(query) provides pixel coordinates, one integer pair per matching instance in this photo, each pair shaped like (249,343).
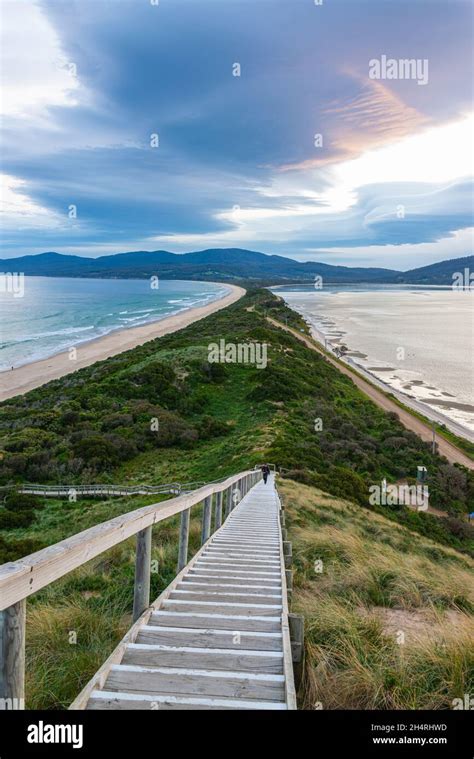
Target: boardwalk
(218,637)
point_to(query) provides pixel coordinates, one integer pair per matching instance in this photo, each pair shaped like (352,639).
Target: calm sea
(56,313)
(418,341)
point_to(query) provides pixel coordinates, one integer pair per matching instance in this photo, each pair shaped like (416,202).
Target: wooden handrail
(19,579)
(105,488)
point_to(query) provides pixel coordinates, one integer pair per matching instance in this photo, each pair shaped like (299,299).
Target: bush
(12,550)
(209,427)
(459,529)
(22,502)
(11,520)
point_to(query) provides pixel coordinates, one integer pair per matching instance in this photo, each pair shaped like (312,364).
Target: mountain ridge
(228,264)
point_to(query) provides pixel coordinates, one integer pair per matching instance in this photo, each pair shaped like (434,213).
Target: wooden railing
(19,579)
(61,491)
(103,489)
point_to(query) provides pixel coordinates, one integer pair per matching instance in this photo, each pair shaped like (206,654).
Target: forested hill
(218,418)
(229,264)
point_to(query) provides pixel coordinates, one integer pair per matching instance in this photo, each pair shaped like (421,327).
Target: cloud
(225,141)
(365,119)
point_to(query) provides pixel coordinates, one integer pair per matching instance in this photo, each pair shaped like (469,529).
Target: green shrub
(10,520)
(22,502)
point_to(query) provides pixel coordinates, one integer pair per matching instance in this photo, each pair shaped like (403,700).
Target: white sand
(25,378)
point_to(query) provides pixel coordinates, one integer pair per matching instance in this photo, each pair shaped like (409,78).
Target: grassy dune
(388,614)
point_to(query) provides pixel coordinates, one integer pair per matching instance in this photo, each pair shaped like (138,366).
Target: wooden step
(222,596)
(214,578)
(216,621)
(209,559)
(245,548)
(230,587)
(243,552)
(249,532)
(257,560)
(224,537)
(210,638)
(106,700)
(147,655)
(222,607)
(201,566)
(192,682)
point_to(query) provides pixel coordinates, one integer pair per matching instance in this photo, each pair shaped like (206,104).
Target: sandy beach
(25,378)
(421,407)
(454,454)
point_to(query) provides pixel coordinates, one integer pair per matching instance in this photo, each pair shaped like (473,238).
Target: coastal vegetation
(388,614)
(163,412)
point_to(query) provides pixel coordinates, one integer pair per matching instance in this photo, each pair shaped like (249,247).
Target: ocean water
(418,341)
(55,314)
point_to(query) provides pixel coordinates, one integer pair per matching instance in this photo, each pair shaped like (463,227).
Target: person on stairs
(266,472)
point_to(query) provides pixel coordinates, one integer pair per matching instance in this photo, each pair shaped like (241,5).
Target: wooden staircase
(217,637)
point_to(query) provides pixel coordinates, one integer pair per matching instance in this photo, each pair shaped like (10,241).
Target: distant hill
(440,273)
(224,264)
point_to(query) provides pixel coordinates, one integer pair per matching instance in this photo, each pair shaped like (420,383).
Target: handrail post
(141,594)
(183,539)
(218,511)
(228,501)
(235,494)
(12,656)
(206,519)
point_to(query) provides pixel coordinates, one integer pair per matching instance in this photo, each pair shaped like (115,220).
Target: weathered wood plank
(107,700)
(192,682)
(222,607)
(216,621)
(226,568)
(218,511)
(206,520)
(227,597)
(233,580)
(204,658)
(210,638)
(183,539)
(141,593)
(12,656)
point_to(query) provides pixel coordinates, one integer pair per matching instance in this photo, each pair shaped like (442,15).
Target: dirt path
(445,448)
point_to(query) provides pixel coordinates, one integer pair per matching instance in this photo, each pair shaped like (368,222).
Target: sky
(262,124)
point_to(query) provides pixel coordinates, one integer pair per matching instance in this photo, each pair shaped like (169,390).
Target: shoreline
(36,373)
(406,416)
(419,406)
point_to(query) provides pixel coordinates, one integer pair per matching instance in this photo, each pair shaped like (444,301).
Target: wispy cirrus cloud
(368,117)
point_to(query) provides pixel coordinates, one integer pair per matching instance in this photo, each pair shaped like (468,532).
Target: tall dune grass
(372,568)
